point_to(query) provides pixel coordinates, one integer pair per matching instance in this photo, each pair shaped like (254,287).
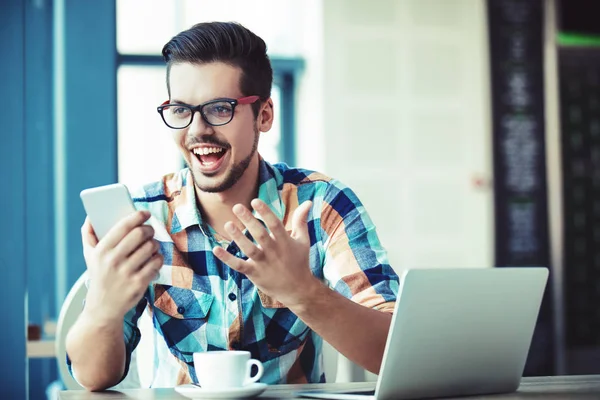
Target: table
(554,388)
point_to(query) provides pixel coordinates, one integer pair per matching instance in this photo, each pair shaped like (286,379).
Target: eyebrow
(174,101)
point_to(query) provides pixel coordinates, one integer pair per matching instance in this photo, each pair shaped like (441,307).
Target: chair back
(339,369)
(69,312)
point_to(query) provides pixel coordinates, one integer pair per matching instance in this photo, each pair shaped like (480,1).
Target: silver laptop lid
(460,332)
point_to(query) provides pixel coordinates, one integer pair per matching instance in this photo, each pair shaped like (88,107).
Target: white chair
(70,310)
(344,370)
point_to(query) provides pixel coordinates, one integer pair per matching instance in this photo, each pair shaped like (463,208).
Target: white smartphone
(106,205)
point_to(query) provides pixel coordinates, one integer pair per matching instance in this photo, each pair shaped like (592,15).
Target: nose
(199,126)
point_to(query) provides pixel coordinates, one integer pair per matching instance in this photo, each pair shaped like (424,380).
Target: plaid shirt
(200,304)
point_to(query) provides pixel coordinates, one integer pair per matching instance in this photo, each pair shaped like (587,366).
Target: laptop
(456,332)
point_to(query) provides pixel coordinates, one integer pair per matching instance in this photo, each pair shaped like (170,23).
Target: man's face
(217,156)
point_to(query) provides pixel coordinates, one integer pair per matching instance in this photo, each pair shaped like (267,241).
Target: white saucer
(245,392)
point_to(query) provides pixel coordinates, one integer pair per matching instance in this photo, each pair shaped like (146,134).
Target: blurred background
(470,129)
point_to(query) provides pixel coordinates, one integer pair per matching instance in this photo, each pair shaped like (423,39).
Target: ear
(264,120)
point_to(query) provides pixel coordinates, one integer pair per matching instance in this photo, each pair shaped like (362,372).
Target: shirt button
(232,296)
(181,310)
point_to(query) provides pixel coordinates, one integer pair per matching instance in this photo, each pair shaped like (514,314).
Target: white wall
(407,124)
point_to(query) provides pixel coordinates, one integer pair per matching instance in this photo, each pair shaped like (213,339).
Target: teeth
(206,150)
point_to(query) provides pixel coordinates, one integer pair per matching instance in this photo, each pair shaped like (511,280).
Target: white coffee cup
(226,369)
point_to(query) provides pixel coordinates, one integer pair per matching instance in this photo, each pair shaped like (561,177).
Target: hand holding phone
(125,260)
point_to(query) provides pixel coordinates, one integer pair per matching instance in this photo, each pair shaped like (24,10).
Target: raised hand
(278,264)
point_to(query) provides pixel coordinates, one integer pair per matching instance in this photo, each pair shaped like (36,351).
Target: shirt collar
(269,189)
(184,208)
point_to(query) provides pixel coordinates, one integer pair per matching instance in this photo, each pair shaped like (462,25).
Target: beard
(233,175)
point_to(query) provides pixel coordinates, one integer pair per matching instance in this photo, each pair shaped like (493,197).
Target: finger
(273,223)
(141,255)
(134,239)
(151,268)
(254,226)
(123,227)
(299,224)
(249,248)
(232,261)
(88,236)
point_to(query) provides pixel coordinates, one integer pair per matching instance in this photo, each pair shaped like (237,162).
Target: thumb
(299,225)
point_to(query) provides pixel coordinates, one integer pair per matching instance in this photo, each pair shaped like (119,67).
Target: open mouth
(210,158)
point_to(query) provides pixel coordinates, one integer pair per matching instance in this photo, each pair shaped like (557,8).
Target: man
(238,253)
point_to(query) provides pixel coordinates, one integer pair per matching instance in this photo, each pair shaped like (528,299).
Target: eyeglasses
(215,112)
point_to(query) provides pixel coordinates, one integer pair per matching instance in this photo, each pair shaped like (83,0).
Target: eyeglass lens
(215,113)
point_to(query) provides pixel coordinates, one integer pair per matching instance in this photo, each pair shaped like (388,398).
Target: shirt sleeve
(355,263)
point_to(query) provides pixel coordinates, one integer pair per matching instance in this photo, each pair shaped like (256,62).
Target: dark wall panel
(520,192)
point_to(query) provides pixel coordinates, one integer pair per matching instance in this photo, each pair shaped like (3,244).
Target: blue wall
(84,132)
(58,136)
(39,216)
(85,128)
(12,209)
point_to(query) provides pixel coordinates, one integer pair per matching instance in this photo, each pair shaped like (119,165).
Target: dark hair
(226,42)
